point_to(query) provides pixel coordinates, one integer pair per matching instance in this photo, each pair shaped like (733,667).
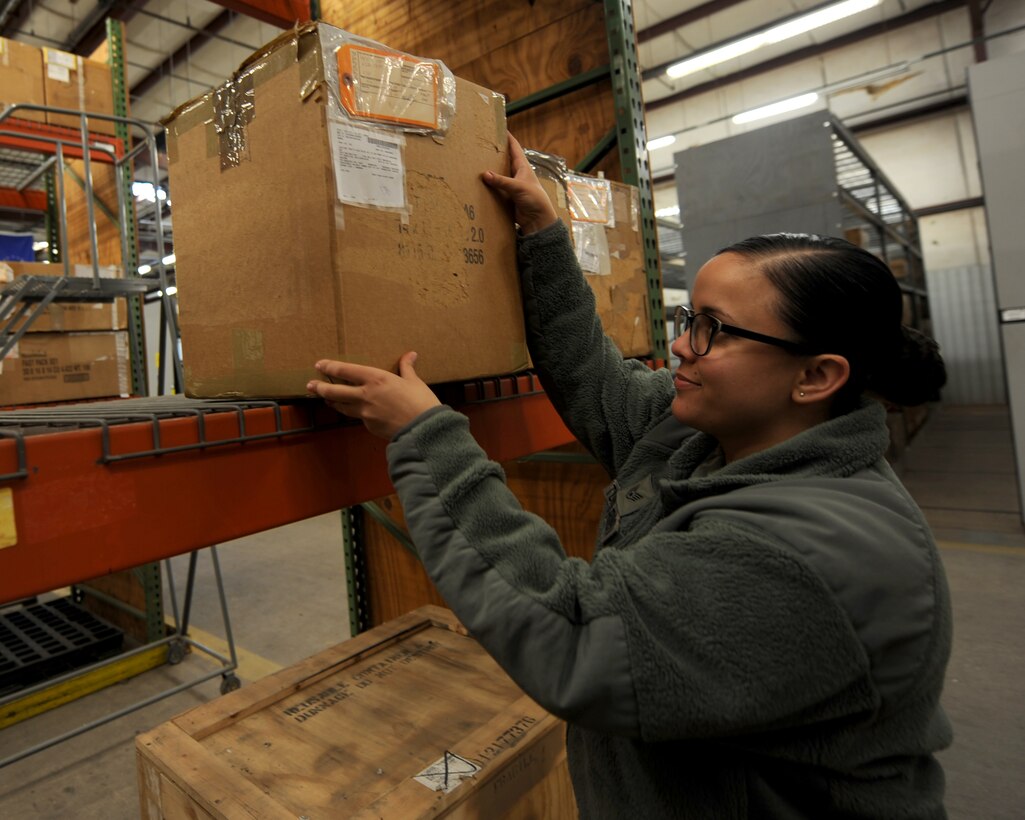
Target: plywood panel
(456,33)
(566,495)
(108,233)
(514,48)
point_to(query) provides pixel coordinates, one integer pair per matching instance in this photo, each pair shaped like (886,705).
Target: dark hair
(839,298)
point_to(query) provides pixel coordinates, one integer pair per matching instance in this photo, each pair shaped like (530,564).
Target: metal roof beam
(916,16)
(685,18)
(92,31)
(208,32)
(12,14)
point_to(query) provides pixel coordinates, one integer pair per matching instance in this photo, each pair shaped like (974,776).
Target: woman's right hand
(531,205)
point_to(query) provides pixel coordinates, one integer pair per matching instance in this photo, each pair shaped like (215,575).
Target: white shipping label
(59,73)
(62,58)
(447,772)
(369,168)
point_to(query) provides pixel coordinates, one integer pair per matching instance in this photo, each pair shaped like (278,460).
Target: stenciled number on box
(475,236)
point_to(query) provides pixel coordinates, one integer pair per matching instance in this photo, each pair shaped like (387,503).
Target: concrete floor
(286,591)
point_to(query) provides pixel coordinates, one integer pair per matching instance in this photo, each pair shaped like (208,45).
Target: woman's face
(740,392)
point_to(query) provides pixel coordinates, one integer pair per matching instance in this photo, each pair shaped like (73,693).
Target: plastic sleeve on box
(371,83)
(592,248)
(590,200)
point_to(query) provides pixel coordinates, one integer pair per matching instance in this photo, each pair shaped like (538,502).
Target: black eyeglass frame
(683,320)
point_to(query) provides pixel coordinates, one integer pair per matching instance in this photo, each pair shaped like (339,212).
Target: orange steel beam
(19,134)
(283,13)
(77,518)
(30,200)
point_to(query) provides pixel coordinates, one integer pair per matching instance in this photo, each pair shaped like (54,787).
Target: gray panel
(997,90)
(1014,352)
(963,311)
(778,178)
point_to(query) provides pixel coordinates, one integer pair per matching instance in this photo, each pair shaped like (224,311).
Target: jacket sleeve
(701,633)
(607,402)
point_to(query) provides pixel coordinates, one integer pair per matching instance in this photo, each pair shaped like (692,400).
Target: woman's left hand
(383,401)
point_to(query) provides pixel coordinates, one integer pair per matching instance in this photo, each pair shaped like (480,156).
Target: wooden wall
(514,47)
(108,232)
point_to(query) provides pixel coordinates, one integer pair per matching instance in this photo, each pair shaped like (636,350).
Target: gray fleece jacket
(765,640)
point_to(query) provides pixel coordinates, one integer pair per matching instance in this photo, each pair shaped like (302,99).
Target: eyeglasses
(704,328)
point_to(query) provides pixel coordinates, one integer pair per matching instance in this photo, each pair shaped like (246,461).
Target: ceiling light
(172,290)
(775,34)
(169,259)
(794,103)
(661,142)
(144,269)
(41,245)
(665,213)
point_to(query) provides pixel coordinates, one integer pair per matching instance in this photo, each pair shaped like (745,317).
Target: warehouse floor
(286,591)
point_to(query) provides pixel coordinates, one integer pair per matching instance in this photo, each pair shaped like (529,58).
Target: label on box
(61,58)
(590,200)
(387,86)
(447,772)
(59,73)
(369,168)
(592,248)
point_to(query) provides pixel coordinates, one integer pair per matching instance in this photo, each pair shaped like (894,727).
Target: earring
(801,394)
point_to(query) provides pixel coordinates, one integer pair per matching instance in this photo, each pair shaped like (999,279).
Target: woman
(764,628)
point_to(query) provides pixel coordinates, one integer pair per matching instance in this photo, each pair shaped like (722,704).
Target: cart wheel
(175,652)
(229,683)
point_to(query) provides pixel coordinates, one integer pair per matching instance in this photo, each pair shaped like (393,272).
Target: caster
(229,683)
(175,652)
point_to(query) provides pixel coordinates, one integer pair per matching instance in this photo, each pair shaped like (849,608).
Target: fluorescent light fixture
(169,259)
(171,290)
(144,269)
(147,192)
(661,142)
(42,245)
(665,213)
(794,103)
(784,31)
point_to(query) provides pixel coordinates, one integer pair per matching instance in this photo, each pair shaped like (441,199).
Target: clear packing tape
(589,202)
(367,85)
(372,84)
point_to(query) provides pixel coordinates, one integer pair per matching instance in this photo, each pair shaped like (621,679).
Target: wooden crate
(345,732)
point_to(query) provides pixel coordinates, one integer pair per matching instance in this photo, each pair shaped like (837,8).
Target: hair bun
(912,374)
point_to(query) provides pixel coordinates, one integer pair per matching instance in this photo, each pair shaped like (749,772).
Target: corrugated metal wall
(964,316)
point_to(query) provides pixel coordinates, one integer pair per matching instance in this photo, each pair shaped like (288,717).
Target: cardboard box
(299,236)
(49,367)
(62,317)
(80,84)
(858,236)
(611,254)
(365,729)
(21,78)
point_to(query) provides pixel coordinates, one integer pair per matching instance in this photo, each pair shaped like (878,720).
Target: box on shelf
(411,719)
(70,316)
(50,367)
(21,78)
(313,226)
(899,267)
(858,236)
(604,218)
(80,84)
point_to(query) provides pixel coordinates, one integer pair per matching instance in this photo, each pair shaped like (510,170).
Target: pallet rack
(80,488)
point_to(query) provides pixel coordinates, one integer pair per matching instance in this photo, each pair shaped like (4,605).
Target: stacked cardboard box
(21,78)
(80,84)
(604,217)
(72,351)
(310,222)
(56,79)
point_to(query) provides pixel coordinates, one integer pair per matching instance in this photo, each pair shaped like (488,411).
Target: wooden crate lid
(347,731)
